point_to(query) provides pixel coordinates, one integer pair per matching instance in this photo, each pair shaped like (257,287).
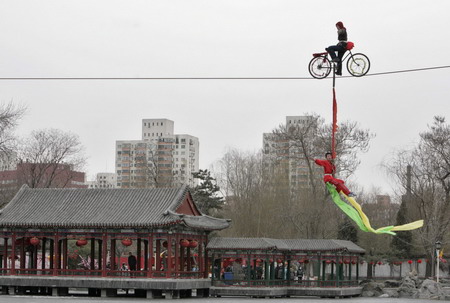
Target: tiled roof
(284,244)
(201,222)
(113,208)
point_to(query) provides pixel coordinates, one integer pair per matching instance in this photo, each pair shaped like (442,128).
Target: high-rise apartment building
(160,159)
(283,158)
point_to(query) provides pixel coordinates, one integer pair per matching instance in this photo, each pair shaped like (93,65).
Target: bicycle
(358,64)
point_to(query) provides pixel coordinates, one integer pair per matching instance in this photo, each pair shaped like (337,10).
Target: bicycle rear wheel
(358,65)
(319,67)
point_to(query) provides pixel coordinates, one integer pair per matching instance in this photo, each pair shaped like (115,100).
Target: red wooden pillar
(52,254)
(56,254)
(5,253)
(177,256)
(104,252)
(44,242)
(169,257)
(64,254)
(92,253)
(150,256)
(205,257)
(181,258)
(113,254)
(13,254)
(138,254)
(22,253)
(35,258)
(60,254)
(100,254)
(200,256)
(145,255)
(158,255)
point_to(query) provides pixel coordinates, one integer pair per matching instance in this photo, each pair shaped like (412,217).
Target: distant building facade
(160,159)
(103,180)
(41,175)
(383,200)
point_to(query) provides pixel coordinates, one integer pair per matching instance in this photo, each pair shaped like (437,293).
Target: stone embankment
(409,287)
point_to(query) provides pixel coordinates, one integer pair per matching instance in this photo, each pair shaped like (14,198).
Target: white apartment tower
(160,159)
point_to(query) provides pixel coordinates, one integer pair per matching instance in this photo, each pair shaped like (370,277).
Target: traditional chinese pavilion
(264,267)
(56,239)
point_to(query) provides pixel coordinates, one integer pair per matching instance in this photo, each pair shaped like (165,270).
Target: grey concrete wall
(105,283)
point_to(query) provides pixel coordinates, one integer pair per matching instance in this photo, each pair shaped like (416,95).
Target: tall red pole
(334,127)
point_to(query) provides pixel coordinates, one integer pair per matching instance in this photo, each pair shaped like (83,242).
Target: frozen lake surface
(40,299)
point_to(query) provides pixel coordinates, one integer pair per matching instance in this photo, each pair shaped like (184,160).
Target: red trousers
(338,183)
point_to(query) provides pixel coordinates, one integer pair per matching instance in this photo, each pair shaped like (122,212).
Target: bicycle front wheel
(358,65)
(319,67)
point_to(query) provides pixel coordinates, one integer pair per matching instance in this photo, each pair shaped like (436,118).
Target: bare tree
(309,211)
(10,114)
(49,158)
(240,178)
(430,184)
(280,193)
(158,164)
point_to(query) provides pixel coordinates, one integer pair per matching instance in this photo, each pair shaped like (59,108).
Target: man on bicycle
(341,47)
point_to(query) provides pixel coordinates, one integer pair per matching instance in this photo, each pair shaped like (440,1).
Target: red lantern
(347,261)
(410,261)
(34,241)
(81,242)
(193,243)
(419,261)
(184,243)
(380,263)
(306,261)
(279,260)
(328,261)
(371,263)
(127,242)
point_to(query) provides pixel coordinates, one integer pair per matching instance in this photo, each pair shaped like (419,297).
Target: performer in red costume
(329,169)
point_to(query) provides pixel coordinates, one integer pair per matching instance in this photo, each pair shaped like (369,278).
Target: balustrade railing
(102,273)
(284,283)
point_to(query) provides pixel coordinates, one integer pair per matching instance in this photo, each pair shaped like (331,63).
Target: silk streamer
(355,212)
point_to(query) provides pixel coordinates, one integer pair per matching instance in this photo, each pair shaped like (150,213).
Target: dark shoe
(338,74)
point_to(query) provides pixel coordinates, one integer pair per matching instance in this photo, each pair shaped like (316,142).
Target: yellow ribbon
(386,229)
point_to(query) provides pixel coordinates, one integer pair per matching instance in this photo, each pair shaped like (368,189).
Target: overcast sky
(222,38)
